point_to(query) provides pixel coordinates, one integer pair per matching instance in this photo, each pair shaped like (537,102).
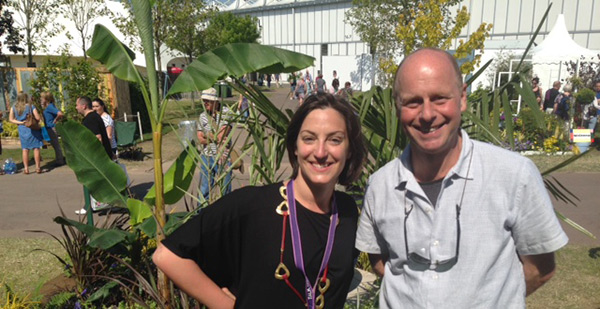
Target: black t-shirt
(236,241)
(94,123)
(550,97)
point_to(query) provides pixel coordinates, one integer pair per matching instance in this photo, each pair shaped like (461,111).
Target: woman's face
(97,107)
(44,102)
(322,147)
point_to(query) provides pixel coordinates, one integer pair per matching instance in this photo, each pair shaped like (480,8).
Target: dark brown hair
(357,149)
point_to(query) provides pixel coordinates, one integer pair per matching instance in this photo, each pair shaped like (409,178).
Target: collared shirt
(50,113)
(505,210)
(211,126)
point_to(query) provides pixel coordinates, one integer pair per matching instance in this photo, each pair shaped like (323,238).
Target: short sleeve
(536,229)
(212,239)
(366,235)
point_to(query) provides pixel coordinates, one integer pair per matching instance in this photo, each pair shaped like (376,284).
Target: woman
(537,91)
(52,115)
(240,250)
(30,139)
(109,123)
(301,90)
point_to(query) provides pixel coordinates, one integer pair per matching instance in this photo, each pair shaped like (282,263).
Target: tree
(225,28)
(83,13)
(185,24)
(430,25)
(584,73)
(11,35)
(36,20)
(399,27)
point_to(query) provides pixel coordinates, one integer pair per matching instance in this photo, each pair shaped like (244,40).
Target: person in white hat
(213,132)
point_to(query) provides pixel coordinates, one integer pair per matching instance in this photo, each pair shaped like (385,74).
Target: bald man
(453,222)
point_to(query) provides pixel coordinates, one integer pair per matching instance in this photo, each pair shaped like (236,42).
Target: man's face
(80,107)
(209,105)
(597,87)
(430,102)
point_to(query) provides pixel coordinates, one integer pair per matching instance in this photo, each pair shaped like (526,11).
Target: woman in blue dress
(30,139)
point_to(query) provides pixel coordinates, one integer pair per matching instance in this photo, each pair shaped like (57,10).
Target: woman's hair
(357,149)
(536,80)
(99,101)
(22,101)
(47,95)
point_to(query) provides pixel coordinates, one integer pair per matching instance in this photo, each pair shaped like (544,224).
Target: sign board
(582,136)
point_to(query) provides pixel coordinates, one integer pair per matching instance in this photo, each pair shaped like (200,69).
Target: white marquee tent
(558,48)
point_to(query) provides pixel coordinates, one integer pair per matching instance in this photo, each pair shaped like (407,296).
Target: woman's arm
(36,114)
(109,132)
(188,276)
(12,119)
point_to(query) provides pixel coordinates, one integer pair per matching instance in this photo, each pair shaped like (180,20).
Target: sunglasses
(417,258)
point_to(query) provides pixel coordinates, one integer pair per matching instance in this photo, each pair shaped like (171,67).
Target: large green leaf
(118,59)
(94,169)
(99,238)
(177,179)
(235,60)
(138,211)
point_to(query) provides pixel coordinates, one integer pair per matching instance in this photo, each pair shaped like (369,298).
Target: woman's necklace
(288,208)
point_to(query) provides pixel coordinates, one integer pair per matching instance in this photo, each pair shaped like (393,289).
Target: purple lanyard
(297,244)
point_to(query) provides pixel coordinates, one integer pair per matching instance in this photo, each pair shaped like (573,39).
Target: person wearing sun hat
(213,131)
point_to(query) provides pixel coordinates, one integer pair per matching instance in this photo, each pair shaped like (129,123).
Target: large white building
(317,28)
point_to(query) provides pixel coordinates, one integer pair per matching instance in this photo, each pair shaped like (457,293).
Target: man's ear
(463,98)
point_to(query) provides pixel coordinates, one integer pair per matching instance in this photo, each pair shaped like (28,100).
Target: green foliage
(61,300)
(186,21)
(11,35)
(585,96)
(94,169)
(67,81)
(224,28)
(10,129)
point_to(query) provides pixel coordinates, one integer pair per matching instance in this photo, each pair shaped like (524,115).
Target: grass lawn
(25,270)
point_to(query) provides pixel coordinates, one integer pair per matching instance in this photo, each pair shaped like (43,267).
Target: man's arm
(538,269)
(377,263)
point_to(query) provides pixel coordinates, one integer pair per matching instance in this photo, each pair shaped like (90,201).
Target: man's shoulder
(389,170)
(501,159)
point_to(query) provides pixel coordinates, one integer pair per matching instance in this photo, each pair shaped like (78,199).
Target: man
(213,132)
(562,106)
(94,123)
(596,105)
(453,222)
(550,97)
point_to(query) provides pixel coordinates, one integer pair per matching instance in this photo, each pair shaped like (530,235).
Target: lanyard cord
(288,208)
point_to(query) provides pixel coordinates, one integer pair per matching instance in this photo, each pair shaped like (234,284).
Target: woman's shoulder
(346,204)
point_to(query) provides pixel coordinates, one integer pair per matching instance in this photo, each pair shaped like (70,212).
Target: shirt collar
(406,177)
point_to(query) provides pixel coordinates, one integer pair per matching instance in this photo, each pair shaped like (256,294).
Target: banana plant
(229,60)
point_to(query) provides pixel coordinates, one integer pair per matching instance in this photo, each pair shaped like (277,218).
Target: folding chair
(126,135)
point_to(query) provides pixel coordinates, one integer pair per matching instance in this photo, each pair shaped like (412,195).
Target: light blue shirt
(505,210)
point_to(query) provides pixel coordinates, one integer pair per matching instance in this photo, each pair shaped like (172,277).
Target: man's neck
(430,168)
(87,112)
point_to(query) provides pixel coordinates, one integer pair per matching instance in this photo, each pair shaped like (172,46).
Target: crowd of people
(561,103)
(303,85)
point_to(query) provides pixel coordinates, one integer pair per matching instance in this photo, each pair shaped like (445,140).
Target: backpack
(562,110)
